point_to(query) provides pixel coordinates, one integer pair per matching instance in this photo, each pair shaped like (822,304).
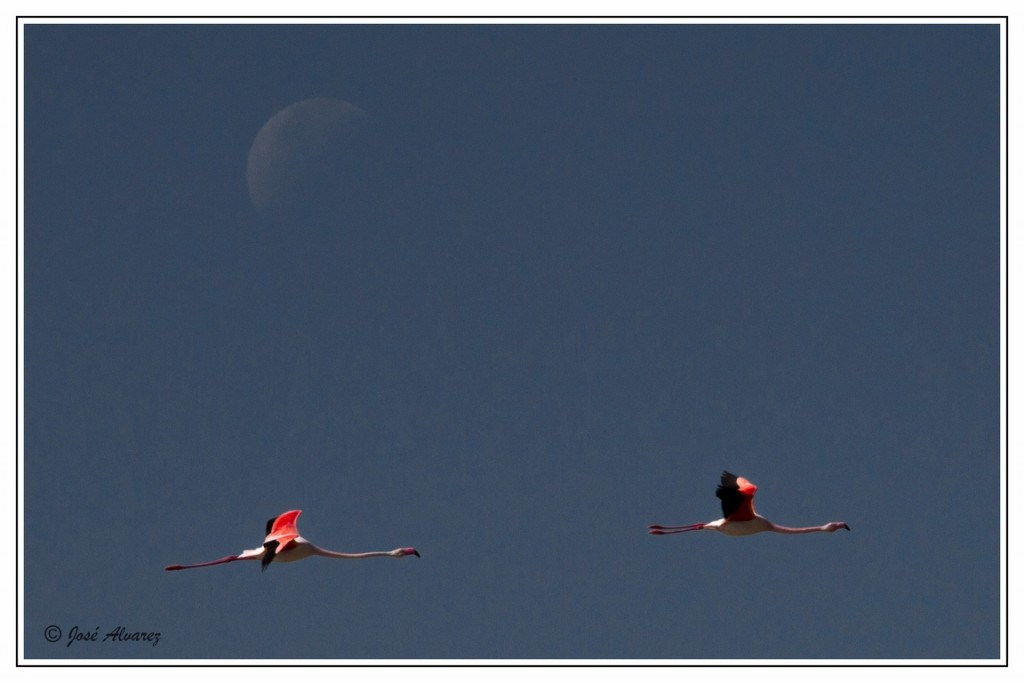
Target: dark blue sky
(601,264)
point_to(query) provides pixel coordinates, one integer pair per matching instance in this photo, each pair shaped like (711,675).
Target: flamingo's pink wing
(283,525)
(737,496)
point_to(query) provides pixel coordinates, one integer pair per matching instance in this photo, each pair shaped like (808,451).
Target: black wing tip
(268,556)
(729,484)
(729,493)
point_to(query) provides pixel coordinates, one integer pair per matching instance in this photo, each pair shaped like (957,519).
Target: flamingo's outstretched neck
(827,528)
(658,530)
(397,552)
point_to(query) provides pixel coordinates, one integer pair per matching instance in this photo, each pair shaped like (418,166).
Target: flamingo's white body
(737,496)
(283,544)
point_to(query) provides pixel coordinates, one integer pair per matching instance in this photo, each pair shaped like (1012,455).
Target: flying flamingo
(283,544)
(737,496)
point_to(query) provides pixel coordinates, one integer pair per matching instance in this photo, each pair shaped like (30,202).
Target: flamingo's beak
(416,553)
(845,526)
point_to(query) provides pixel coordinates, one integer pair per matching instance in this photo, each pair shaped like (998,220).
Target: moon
(313,156)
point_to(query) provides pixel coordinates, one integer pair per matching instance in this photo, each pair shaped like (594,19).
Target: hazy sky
(593,267)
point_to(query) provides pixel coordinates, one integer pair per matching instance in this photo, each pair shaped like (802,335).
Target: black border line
(826,19)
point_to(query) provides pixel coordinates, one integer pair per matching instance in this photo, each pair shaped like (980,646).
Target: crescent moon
(311,155)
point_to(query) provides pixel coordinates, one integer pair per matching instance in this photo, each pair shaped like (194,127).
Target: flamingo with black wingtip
(737,496)
(283,544)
